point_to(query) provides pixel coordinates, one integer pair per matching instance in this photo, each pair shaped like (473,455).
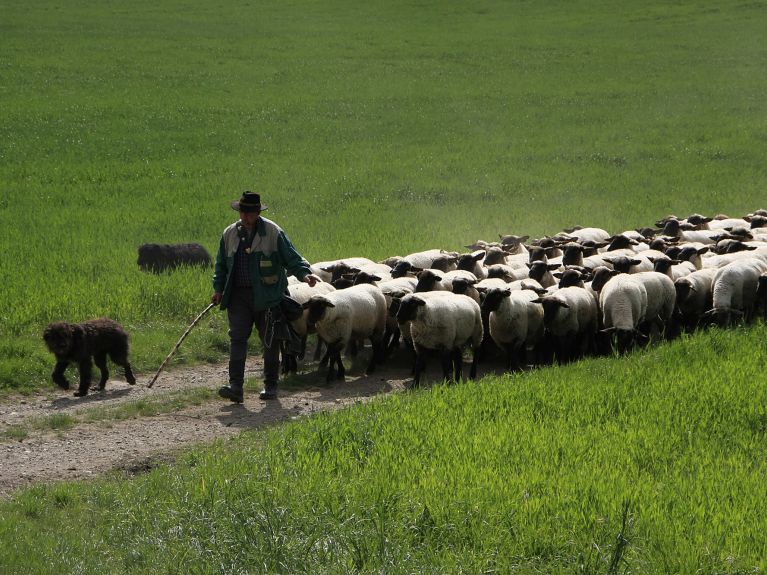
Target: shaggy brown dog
(78,342)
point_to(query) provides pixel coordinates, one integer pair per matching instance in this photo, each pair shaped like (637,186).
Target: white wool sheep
(623,303)
(734,290)
(302,292)
(661,299)
(596,235)
(570,316)
(515,322)
(355,313)
(444,324)
(436,280)
(508,272)
(694,296)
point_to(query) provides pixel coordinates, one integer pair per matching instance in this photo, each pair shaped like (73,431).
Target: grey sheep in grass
(158,258)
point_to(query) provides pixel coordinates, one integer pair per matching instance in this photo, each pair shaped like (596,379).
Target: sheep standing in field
(734,291)
(331,270)
(570,317)
(444,324)
(661,300)
(341,316)
(514,322)
(158,258)
(694,297)
(302,293)
(623,303)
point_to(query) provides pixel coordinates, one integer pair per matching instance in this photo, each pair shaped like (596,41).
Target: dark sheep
(157,258)
(79,342)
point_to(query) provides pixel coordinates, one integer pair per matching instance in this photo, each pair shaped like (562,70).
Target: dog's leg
(121,359)
(100,359)
(58,374)
(85,377)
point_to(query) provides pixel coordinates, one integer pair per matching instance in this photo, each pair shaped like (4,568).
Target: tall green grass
(652,463)
(370,129)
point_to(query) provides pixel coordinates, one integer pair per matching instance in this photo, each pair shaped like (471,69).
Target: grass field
(369,130)
(374,129)
(651,464)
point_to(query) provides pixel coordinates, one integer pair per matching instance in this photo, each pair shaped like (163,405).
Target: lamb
(734,291)
(694,296)
(158,258)
(443,324)
(515,322)
(570,317)
(623,301)
(341,316)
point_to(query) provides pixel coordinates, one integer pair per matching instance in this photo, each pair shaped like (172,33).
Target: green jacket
(271,259)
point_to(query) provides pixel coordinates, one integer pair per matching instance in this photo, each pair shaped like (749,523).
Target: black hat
(249,202)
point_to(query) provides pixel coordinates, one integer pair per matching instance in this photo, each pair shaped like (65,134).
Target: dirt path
(137,444)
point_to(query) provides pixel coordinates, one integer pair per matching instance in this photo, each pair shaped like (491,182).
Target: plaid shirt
(242,264)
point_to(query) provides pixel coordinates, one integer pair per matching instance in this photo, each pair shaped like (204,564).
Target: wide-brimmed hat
(249,202)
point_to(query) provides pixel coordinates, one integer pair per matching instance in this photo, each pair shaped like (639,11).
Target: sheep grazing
(443,324)
(623,301)
(734,291)
(342,316)
(661,300)
(570,317)
(515,323)
(157,258)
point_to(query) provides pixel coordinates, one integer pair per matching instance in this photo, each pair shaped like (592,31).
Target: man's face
(248,219)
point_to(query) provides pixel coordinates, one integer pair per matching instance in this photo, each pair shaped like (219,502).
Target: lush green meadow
(374,129)
(651,464)
(371,129)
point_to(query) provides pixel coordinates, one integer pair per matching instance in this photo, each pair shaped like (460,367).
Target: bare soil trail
(136,444)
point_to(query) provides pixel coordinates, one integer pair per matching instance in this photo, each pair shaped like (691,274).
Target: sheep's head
(493,299)
(317,306)
(408,308)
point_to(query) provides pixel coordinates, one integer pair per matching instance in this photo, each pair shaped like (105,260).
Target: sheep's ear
(560,303)
(635,262)
(537,300)
(552,267)
(478,256)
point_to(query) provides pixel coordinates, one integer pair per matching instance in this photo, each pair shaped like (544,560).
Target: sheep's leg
(377,354)
(85,377)
(457,356)
(100,359)
(473,369)
(418,365)
(447,365)
(58,374)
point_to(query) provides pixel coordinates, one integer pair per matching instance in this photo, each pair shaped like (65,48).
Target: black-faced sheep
(514,321)
(445,324)
(342,316)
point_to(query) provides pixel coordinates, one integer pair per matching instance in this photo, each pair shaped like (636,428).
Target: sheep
(661,300)
(332,270)
(570,317)
(635,264)
(341,316)
(435,280)
(581,235)
(694,296)
(444,324)
(514,322)
(473,263)
(541,272)
(507,273)
(734,291)
(623,304)
(158,258)
(672,268)
(302,293)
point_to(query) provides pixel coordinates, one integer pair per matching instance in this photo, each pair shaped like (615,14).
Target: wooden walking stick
(178,343)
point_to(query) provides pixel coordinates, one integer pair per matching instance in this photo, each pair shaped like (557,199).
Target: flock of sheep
(557,298)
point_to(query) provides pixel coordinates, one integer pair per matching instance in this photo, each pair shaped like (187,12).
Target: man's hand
(312,279)
(216,298)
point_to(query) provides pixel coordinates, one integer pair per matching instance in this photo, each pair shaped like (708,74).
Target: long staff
(178,343)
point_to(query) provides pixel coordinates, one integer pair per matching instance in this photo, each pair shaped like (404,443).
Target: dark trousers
(242,317)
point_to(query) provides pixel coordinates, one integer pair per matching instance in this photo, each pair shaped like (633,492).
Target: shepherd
(250,279)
